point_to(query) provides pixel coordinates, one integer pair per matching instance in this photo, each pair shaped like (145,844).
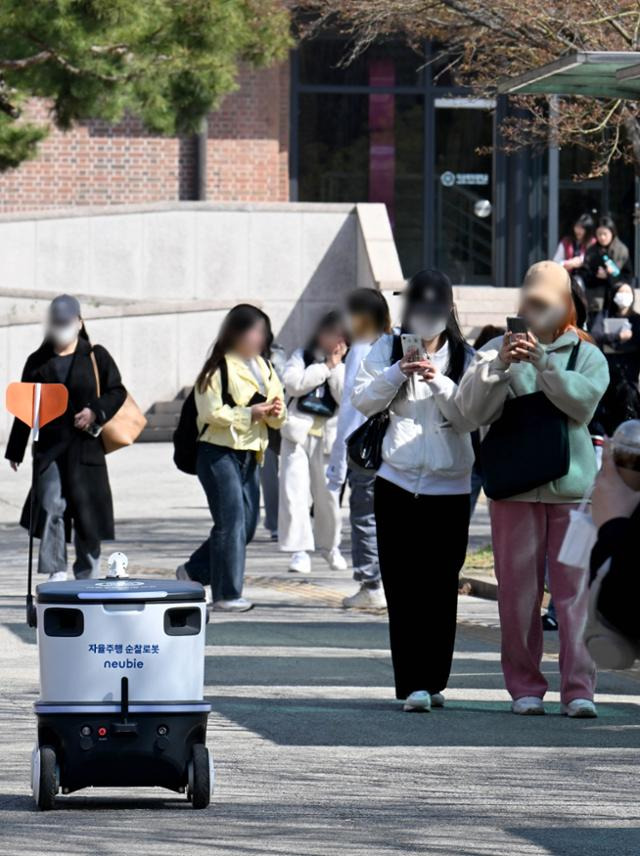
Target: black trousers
(422,543)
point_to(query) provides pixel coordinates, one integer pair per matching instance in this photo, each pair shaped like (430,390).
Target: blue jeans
(269,480)
(230,481)
(364,543)
(52,556)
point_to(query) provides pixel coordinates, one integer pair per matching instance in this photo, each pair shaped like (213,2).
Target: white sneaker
(579,708)
(300,563)
(418,702)
(239,604)
(437,700)
(366,598)
(528,706)
(335,559)
(58,577)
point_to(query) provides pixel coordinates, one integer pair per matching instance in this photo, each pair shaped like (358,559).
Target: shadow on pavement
(340,722)
(300,634)
(583,841)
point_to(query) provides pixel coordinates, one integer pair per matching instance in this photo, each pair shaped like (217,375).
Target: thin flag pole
(37,398)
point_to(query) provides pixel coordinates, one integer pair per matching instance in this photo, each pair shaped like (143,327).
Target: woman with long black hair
(421,494)
(238,397)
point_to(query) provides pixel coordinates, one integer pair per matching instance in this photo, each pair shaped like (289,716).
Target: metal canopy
(600,74)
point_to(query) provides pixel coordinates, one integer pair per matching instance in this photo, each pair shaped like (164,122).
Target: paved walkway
(313,755)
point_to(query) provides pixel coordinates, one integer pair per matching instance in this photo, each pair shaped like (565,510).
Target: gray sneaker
(418,702)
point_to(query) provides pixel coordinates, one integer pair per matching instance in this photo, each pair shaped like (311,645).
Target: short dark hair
(370,302)
(486,334)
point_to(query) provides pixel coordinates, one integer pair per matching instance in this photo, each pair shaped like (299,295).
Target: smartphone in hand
(412,345)
(517,328)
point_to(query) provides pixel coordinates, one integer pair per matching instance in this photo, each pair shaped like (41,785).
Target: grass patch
(480,560)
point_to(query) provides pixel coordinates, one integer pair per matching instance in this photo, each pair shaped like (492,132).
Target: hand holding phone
(414,359)
(412,346)
(517,328)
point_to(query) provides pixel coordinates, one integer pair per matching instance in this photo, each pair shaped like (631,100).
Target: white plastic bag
(580,537)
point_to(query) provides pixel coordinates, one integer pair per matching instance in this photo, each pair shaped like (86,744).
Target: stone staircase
(162,419)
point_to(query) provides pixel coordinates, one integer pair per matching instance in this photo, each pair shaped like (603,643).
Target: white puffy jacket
(427,434)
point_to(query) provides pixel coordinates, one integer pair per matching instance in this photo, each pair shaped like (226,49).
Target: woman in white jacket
(422,487)
(313,379)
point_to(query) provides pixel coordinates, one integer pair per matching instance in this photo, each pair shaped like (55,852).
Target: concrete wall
(296,259)
(155,281)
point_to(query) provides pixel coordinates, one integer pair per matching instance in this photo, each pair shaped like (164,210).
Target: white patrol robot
(121,687)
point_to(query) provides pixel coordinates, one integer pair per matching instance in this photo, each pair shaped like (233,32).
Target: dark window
(366,148)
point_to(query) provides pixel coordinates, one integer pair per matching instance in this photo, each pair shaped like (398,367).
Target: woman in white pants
(313,379)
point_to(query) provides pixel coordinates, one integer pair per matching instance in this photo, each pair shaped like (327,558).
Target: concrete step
(156,435)
(163,417)
(163,420)
(174,406)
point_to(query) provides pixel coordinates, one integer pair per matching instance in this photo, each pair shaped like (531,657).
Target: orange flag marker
(36,404)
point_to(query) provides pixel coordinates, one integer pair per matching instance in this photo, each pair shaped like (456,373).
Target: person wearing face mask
(557,360)
(73,494)
(314,379)
(368,319)
(617,330)
(423,485)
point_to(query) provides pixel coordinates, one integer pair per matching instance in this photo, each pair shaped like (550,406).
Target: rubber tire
(201,791)
(48,779)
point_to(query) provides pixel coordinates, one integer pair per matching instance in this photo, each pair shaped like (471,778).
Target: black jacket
(617,252)
(621,400)
(81,458)
(620,589)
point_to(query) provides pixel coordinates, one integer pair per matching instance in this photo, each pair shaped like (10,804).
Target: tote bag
(528,446)
(125,426)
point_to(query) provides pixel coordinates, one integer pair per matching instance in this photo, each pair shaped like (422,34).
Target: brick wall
(101,164)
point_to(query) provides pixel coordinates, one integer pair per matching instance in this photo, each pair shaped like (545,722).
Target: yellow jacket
(232,426)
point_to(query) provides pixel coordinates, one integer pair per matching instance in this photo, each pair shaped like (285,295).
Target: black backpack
(186,435)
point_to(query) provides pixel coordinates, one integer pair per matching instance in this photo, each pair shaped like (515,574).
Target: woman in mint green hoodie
(528,529)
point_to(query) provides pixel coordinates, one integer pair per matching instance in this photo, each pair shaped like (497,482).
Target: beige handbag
(125,426)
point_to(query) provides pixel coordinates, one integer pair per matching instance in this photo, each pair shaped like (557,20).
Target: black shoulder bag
(320,401)
(364,445)
(528,446)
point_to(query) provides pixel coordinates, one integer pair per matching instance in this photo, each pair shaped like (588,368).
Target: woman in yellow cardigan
(238,398)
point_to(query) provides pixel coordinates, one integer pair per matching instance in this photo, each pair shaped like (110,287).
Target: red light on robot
(102,731)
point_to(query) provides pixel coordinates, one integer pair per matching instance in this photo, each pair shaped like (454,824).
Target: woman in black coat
(73,485)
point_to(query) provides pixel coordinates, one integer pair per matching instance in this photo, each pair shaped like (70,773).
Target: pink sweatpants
(526,539)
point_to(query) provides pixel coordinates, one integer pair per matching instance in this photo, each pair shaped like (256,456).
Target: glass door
(462,188)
